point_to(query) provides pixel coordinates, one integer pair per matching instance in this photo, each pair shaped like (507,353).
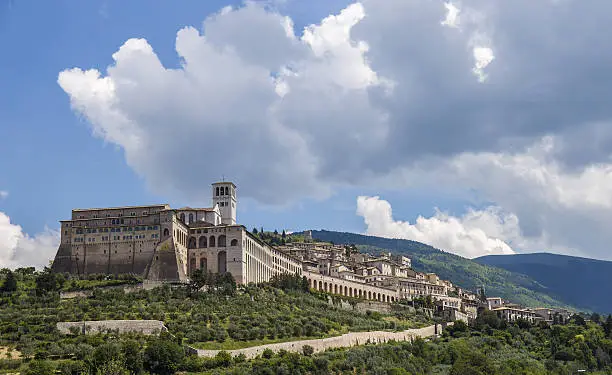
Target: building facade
(165,244)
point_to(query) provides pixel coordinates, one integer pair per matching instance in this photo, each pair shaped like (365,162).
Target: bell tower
(224,194)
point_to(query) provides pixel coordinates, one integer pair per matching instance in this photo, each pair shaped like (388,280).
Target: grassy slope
(461,271)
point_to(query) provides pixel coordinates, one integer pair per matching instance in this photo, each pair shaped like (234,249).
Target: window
(217,191)
(227,190)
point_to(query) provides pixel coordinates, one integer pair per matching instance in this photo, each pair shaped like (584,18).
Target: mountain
(581,282)
(466,273)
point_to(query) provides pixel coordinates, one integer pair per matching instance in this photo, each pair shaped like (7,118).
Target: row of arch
(203,262)
(347,291)
(204,241)
(212,241)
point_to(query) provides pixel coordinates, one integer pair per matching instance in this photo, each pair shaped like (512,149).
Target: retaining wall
(146,327)
(346,340)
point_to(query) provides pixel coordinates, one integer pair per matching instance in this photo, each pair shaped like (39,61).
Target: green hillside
(466,273)
(579,281)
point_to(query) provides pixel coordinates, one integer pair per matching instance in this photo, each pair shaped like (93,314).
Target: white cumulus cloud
(3,194)
(18,249)
(475,234)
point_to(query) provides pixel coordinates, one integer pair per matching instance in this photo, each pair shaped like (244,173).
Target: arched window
(166,232)
(190,218)
(222,260)
(221,242)
(234,242)
(203,263)
(202,242)
(183,218)
(211,242)
(192,243)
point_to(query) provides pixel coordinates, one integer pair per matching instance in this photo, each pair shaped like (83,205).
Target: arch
(166,232)
(378,296)
(222,262)
(190,218)
(192,243)
(203,263)
(350,293)
(202,242)
(221,241)
(182,217)
(320,285)
(369,295)
(211,242)
(335,289)
(325,286)
(392,299)
(345,291)
(192,264)
(234,242)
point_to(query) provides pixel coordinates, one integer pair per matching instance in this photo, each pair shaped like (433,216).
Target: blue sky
(426,104)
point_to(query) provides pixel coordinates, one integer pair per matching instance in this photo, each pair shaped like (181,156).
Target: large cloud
(18,249)
(374,93)
(469,236)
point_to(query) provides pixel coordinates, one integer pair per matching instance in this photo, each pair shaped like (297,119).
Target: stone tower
(224,195)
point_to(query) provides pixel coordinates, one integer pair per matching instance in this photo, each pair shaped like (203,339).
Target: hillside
(580,282)
(461,271)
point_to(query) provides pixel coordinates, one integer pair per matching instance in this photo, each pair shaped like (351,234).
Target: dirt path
(346,340)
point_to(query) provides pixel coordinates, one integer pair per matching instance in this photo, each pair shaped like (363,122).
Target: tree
(10,283)
(481,295)
(595,318)
(48,281)
(284,235)
(275,232)
(254,230)
(607,326)
(307,350)
(163,357)
(38,367)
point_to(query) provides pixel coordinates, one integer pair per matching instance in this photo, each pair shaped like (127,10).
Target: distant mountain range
(580,282)
(532,280)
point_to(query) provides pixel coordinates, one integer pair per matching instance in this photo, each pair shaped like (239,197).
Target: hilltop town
(166,245)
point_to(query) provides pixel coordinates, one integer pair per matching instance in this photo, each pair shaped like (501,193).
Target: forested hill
(461,271)
(580,282)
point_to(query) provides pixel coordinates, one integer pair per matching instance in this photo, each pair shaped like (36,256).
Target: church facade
(165,244)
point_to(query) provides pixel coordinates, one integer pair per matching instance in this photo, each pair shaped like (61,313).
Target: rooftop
(163,205)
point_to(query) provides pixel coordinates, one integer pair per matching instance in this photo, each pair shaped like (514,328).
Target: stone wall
(147,327)
(346,340)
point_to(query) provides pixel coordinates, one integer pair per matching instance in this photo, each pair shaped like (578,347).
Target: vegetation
(461,271)
(491,346)
(211,312)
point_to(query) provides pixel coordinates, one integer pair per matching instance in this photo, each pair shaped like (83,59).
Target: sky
(476,126)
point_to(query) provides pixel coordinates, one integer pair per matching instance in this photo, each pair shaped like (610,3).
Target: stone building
(165,244)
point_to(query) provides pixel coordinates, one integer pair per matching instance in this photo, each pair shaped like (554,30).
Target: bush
(307,350)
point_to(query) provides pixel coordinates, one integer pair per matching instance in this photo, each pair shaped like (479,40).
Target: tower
(224,194)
